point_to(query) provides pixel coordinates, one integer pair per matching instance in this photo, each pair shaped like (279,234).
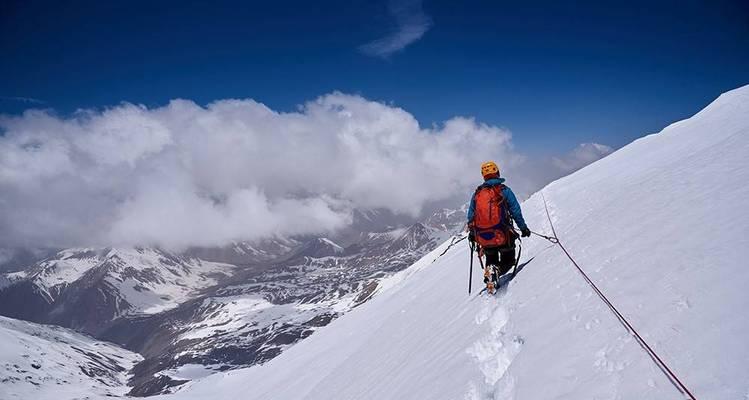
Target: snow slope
(47,362)
(661,226)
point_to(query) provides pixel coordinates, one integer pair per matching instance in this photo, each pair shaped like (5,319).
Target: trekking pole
(470,269)
(517,259)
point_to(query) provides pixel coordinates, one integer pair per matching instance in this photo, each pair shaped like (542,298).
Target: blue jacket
(512,203)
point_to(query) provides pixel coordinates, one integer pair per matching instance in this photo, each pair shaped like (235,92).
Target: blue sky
(554,74)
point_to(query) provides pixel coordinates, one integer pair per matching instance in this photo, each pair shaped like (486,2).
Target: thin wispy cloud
(29,100)
(411,23)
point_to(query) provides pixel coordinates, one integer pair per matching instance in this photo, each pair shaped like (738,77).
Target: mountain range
(204,310)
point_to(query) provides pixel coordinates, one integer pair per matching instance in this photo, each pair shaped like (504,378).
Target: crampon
(490,280)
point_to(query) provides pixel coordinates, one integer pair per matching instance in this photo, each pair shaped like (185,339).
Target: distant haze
(186,175)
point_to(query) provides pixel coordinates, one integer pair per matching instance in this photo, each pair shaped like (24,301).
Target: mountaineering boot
(489,279)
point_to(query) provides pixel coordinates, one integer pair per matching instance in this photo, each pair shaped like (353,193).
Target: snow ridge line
(675,381)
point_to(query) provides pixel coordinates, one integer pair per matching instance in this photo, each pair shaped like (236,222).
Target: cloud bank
(582,155)
(186,175)
(411,23)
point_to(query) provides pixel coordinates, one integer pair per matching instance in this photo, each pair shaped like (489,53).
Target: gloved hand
(525,232)
(471,236)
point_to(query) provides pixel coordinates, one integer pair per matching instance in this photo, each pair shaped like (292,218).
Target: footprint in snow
(493,354)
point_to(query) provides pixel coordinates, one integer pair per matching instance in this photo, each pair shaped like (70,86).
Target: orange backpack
(490,220)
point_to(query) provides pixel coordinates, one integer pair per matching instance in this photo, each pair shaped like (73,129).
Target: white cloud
(183,175)
(580,156)
(411,23)
(539,170)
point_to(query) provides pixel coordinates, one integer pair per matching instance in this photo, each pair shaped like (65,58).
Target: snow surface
(47,362)
(662,226)
(190,371)
(336,247)
(225,318)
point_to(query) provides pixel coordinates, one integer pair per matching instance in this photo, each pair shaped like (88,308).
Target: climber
(491,213)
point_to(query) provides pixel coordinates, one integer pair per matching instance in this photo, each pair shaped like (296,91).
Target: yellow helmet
(489,168)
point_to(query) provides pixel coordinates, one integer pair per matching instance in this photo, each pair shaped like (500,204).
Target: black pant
(501,257)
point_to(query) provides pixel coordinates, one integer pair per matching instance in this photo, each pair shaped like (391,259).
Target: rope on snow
(678,384)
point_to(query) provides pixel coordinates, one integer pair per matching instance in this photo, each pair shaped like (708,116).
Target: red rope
(645,346)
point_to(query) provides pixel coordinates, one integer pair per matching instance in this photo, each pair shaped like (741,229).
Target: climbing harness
(675,381)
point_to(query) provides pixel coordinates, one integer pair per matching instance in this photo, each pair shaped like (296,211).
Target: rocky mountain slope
(190,317)
(88,289)
(260,313)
